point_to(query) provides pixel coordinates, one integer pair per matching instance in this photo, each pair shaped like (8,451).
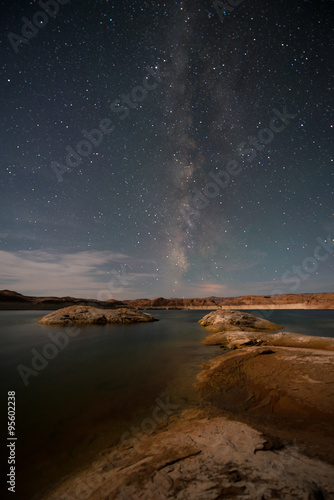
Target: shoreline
(259,307)
(10,300)
(196,457)
(249,430)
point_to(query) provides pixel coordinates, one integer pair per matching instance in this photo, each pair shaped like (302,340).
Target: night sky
(169,149)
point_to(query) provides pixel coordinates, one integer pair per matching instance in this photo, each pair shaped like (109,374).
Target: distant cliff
(161,303)
(286,301)
(10,300)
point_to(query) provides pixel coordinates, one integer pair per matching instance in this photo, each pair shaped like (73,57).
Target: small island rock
(221,321)
(87,315)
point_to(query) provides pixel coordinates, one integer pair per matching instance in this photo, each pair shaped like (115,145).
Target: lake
(81,397)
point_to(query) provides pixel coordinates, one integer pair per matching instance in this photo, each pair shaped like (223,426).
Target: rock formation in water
(86,315)
(280,388)
(219,321)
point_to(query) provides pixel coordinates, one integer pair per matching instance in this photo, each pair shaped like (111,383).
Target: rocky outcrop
(86,315)
(281,383)
(236,339)
(219,321)
(201,458)
(283,391)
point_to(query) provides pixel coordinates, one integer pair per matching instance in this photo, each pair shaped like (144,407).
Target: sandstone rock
(200,458)
(219,321)
(236,339)
(287,392)
(93,316)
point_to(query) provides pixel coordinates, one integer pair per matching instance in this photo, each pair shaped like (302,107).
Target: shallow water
(104,380)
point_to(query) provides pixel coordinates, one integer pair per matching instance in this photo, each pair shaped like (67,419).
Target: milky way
(174,149)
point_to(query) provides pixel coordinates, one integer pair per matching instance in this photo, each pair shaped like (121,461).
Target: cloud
(82,274)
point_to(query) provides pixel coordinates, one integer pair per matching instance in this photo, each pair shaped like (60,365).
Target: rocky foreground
(86,315)
(201,457)
(265,429)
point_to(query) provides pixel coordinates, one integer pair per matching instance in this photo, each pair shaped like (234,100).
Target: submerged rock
(219,321)
(86,315)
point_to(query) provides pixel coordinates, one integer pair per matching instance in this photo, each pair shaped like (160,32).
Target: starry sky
(176,149)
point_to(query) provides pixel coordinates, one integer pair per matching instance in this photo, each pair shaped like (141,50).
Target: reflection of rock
(218,321)
(93,316)
(202,458)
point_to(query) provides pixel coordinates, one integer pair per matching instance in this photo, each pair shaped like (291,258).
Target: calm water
(102,382)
